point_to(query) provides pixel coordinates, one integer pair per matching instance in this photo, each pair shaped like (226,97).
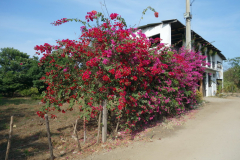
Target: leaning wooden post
(104,121)
(75,131)
(116,130)
(10,136)
(49,137)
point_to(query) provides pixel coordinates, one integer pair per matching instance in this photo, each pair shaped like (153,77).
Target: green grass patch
(17,101)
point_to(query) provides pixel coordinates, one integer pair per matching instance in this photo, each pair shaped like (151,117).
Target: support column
(188,25)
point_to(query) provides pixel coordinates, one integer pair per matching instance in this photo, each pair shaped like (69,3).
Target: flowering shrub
(115,63)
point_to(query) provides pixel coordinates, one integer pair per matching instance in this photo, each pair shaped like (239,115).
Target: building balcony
(213,65)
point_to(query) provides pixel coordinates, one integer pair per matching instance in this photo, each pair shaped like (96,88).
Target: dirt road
(214,134)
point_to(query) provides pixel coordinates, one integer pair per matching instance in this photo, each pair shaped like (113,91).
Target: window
(219,65)
(153,37)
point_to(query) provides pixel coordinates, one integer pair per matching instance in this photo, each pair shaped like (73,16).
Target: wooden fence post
(49,137)
(9,140)
(104,121)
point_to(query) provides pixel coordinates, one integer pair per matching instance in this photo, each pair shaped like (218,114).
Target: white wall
(211,91)
(163,29)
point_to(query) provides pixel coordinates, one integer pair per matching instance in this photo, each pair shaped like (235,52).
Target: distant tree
(18,71)
(232,74)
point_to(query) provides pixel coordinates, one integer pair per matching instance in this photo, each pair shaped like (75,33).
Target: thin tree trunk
(75,131)
(99,125)
(49,137)
(9,140)
(116,130)
(104,121)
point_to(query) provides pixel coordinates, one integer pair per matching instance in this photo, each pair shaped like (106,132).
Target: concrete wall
(163,29)
(211,91)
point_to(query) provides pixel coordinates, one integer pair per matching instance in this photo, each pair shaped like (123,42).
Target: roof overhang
(178,33)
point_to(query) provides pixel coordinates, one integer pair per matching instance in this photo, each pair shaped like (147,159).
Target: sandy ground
(214,134)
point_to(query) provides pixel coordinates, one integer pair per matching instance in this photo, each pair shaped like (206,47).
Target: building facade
(173,32)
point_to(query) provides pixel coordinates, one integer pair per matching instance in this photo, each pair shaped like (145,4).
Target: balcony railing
(209,62)
(212,64)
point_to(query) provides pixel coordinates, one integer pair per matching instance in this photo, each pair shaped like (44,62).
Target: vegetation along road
(214,134)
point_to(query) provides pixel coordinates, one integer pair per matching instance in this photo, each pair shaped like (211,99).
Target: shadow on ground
(20,146)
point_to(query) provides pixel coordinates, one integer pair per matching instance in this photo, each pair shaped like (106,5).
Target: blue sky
(26,23)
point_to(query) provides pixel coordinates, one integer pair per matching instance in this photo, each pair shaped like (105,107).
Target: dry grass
(30,138)
(29,132)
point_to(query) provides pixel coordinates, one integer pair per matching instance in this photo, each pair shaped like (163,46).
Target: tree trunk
(99,126)
(104,121)
(49,137)
(116,130)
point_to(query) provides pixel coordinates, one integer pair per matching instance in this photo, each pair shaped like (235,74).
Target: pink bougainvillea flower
(156,14)
(112,71)
(170,73)
(21,63)
(109,53)
(105,61)
(106,78)
(65,69)
(83,28)
(86,75)
(94,12)
(134,78)
(91,15)
(113,16)
(59,22)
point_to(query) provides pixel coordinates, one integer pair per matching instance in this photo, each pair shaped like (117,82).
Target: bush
(36,97)
(199,96)
(230,87)
(219,89)
(119,67)
(29,92)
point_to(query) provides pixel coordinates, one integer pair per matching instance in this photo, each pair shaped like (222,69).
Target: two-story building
(173,32)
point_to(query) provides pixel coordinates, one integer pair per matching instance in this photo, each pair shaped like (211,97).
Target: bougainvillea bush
(118,64)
